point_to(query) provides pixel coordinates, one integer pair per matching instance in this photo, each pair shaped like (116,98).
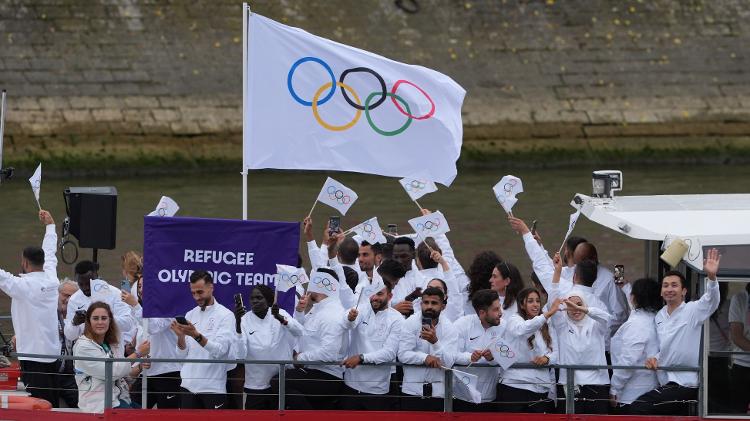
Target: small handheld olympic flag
(430,225)
(323,283)
(502,352)
(370,231)
(417,187)
(506,191)
(36,184)
(465,387)
(289,277)
(571,224)
(165,207)
(336,195)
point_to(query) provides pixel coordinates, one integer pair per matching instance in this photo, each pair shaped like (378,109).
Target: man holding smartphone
(429,341)
(206,334)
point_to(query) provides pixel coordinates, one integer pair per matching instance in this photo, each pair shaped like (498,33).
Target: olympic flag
(165,207)
(323,283)
(289,277)
(417,187)
(506,190)
(465,387)
(370,231)
(430,225)
(315,104)
(36,184)
(337,195)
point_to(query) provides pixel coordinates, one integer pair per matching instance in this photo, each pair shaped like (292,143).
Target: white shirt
(679,336)
(461,280)
(633,343)
(454,309)
(216,324)
(406,286)
(104,292)
(323,337)
(472,336)
(582,344)
(163,345)
(739,313)
(511,310)
(413,350)
(518,332)
(265,339)
(375,336)
(33,307)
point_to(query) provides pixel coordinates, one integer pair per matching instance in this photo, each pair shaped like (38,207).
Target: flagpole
(312,208)
(420,206)
(37,203)
(245,134)
(424,240)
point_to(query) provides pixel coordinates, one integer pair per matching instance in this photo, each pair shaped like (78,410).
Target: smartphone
(125,285)
(533,227)
(334,223)
(392,229)
(619,274)
(81,312)
(238,301)
(181,320)
(426,321)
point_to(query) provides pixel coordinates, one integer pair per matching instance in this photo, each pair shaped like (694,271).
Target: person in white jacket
(524,390)
(633,343)
(208,335)
(33,310)
(582,332)
(506,280)
(428,343)
(266,332)
(678,328)
(100,339)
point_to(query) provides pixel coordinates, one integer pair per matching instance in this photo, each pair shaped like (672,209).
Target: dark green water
(476,219)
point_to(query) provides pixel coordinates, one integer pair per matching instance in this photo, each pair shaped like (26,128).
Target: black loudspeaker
(93,216)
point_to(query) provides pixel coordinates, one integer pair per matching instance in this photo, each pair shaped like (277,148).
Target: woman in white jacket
(633,343)
(101,339)
(523,390)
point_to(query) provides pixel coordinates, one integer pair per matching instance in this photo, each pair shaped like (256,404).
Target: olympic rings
(320,121)
(383,94)
(508,187)
(348,92)
(464,379)
(162,211)
(368,231)
(415,185)
(429,225)
(291,73)
(338,196)
(292,279)
(377,129)
(407,112)
(325,283)
(504,350)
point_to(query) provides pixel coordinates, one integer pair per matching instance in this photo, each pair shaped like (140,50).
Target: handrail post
(144,389)
(570,407)
(282,387)
(448,391)
(108,384)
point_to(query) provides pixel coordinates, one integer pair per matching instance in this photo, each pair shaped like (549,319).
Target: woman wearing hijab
(582,333)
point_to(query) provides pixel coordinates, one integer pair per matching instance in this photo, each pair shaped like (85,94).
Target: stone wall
(128,70)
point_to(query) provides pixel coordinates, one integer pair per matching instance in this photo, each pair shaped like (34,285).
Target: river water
(477,221)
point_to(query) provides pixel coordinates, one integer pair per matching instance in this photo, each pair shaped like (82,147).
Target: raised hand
(307,227)
(46,217)
(518,225)
(711,264)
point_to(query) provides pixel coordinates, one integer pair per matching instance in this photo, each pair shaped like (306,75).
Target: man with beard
(207,335)
(678,329)
(375,333)
(476,333)
(430,341)
(370,256)
(265,333)
(410,286)
(33,310)
(94,289)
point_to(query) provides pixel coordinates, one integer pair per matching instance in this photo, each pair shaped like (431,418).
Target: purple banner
(238,254)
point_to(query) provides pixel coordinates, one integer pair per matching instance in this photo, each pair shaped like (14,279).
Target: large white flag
(315,104)
(337,195)
(417,187)
(506,190)
(165,207)
(465,387)
(36,183)
(430,225)
(370,231)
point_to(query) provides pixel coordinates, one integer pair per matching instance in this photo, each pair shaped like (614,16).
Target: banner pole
(418,205)
(313,208)
(245,134)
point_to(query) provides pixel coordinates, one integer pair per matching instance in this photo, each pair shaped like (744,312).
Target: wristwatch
(199,338)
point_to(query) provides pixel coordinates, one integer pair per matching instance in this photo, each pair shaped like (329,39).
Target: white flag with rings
(323,283)
(506,190)
(337,195)
(417,187)
(165,207)
(370,231)
(288,277)
(430,225)
(316,104)
(36,182)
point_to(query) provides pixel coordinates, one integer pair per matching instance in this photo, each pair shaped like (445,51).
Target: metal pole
(245,134)
(144,389)
(2,130)
(570,407)
(108,384)
(448,391)
(282,387)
